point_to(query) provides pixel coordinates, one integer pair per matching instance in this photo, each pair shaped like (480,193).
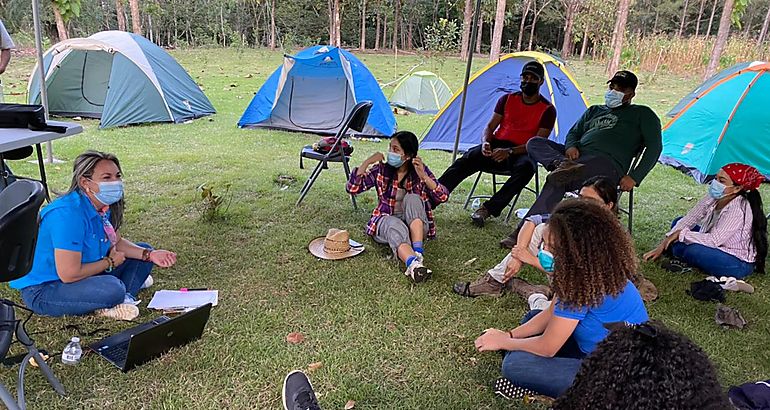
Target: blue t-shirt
(70,223)
(626,307)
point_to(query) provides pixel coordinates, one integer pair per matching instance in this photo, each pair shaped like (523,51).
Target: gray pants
(394,229)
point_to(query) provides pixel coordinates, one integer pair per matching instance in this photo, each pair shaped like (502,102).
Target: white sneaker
(122,311)
(419,257)
(417,272)
(147,282)
(538,301)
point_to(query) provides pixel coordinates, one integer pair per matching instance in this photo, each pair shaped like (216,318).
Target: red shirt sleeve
(500,107)
(548,118)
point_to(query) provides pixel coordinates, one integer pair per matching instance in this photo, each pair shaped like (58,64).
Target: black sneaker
(675,265)
(567,171)
(298,393)
(510,391)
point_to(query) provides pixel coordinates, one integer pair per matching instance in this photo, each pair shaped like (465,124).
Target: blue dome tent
(722,121)
(121,78)
(493,81)
(314,90)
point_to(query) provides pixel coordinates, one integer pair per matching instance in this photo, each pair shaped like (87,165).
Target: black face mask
(530,89)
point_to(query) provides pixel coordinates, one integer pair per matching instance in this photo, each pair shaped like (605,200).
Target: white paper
(175,299)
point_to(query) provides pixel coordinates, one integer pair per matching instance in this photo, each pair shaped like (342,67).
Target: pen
(191,289)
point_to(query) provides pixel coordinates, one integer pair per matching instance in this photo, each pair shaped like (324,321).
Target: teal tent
(421,93)
(722,121)
(121,78)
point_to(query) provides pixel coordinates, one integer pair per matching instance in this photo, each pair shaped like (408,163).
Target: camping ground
(380,341)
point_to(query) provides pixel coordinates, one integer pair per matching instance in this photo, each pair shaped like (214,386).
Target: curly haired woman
(645,367)
(593,260)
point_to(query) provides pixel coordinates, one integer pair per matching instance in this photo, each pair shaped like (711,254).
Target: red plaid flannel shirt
(384,179)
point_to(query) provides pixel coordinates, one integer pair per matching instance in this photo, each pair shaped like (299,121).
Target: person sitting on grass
(645,367)
(405,188)
(530,240)
(725,234)
(81,262)
(593,260)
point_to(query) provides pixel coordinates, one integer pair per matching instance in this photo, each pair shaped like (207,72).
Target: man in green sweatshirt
(604,141)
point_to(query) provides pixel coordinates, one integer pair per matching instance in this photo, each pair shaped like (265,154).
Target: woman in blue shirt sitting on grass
(592,260)
(82,264)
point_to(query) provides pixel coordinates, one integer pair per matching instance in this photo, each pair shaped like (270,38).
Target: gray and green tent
(121,78)
(422,93)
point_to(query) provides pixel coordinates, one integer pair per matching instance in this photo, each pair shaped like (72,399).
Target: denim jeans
(710,260)
(550,376)
(101,291)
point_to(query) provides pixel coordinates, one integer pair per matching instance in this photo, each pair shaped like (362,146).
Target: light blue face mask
(394,160)
(109,192)
(613,98)
(546,260)
(717,189)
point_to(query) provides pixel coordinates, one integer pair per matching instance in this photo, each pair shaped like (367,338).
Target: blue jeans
(550,376)
(101,291)
(710,260)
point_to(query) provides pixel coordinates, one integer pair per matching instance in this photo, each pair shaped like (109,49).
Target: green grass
(382,341)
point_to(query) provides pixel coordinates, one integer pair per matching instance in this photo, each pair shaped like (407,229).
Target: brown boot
(485,285)
(646,288)
(567,171)
(510,241)
(525,289)
(480,216)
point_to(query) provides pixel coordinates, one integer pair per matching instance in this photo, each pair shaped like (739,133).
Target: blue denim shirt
(70,223)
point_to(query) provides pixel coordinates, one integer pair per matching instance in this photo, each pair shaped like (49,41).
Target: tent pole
(471,48)
(41,69)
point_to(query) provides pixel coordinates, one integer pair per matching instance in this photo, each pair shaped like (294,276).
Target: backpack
(324,145)
(26,116)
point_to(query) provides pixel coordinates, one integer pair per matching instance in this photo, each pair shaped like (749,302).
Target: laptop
(138,345)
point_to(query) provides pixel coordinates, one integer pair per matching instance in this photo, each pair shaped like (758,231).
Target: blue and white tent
(121,78)
(314,90)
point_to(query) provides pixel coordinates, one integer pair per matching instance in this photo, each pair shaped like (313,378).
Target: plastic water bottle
(72,353)
(476,204)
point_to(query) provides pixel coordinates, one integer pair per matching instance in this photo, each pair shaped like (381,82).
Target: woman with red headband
(726,233)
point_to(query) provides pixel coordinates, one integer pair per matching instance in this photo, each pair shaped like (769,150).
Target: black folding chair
(356,121)
(19,206)
(6,177)
(629,211)
(512,206)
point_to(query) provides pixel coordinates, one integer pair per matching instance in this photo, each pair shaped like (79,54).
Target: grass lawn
(381,341)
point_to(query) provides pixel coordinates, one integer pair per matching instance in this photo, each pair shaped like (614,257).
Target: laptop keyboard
(117,353)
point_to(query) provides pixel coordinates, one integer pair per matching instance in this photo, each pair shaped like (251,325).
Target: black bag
(26,116)
(707,291)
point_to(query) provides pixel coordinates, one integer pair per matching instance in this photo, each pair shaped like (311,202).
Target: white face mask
(613,98)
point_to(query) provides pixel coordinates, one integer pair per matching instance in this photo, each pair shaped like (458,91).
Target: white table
(14,138)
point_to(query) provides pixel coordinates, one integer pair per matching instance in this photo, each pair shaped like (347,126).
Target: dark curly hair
(607,190)
(593,254)
(645,369)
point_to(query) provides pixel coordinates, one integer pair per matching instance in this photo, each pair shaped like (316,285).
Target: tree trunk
(136,20)
(410,35)
(479,33)
(385,32)
(497,35)
(330,4)
(711,19)
(121,13)
(337,23)
(61,27)
(521,26)
(683,19)
(700,16)
(571,10)
(763,32)
(377,32)
(721,41)
(362,43)
(396,19)
(584,46)
(620,30)
(532,30)
(272,25)
(467,16)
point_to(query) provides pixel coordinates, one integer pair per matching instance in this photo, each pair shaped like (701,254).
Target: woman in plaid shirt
(405,188)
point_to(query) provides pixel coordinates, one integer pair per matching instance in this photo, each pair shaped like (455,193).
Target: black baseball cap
(625,79)
(534,68)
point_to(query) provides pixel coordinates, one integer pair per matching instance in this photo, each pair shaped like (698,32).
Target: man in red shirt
(518,117)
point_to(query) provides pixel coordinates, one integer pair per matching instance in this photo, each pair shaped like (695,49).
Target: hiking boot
(567,171)
(646,288)
(526,289)
(479,216)
(417,272)
(298,393)
(675,265)
(506,389)
(510,241)
(485,285)
(123,311)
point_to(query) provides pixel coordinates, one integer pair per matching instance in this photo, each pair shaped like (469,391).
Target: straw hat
(336,245)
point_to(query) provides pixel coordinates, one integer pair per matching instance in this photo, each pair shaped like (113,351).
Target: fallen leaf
(686,198)
(390,326)
(314,366)
(470,261)
(248,76)
(295,338)
(350,404)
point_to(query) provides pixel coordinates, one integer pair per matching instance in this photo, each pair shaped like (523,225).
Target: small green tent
(421,93)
